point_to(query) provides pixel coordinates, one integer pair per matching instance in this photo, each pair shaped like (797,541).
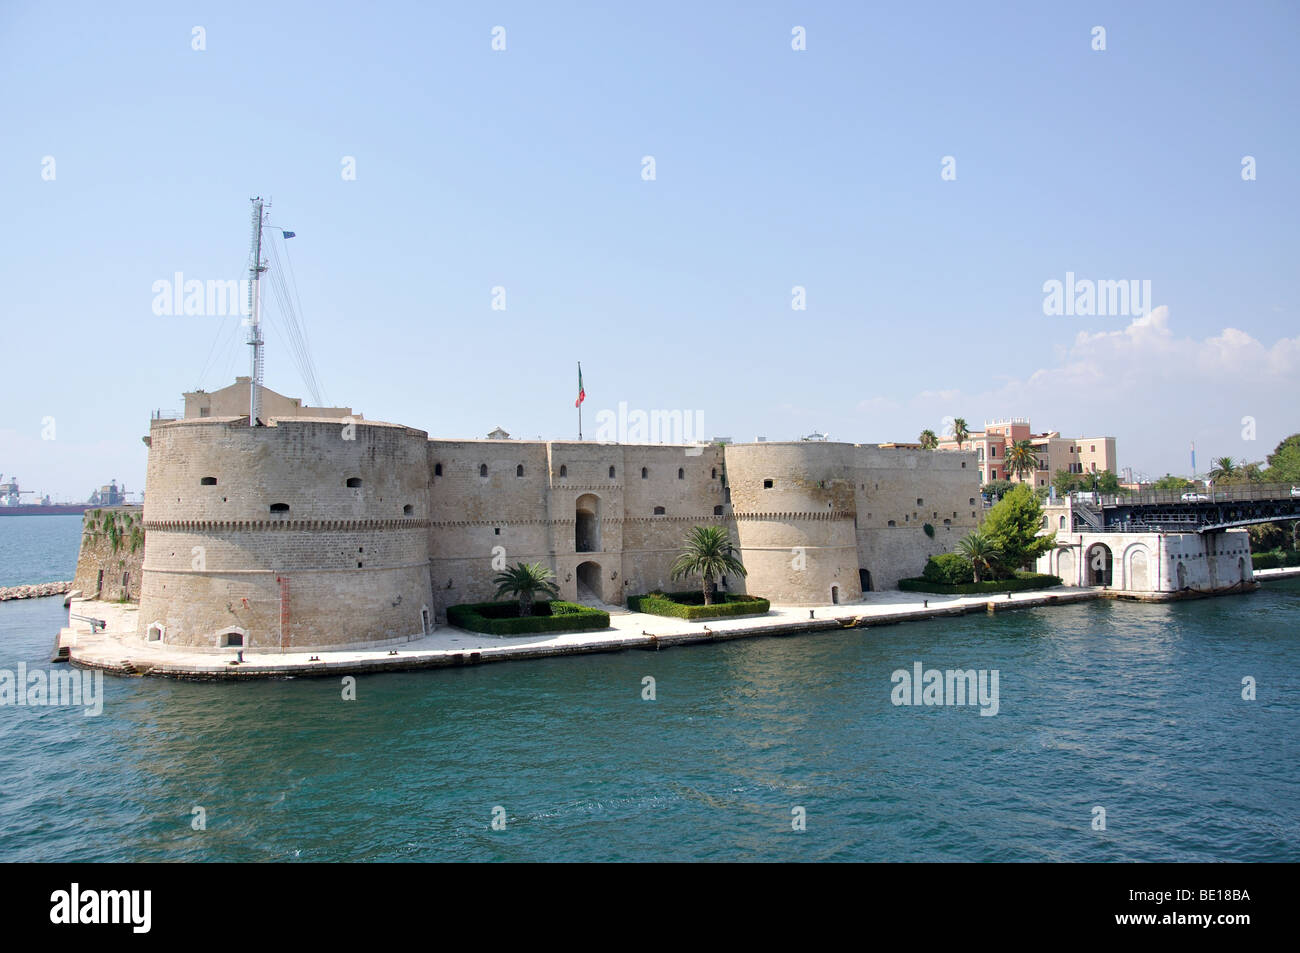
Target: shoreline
(118,651)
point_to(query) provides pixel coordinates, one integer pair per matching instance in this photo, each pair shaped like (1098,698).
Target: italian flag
(582,394)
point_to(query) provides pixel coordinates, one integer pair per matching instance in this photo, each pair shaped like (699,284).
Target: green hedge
(948,568)
(1274,559)
(502,618)
(1023,581)
(690,605)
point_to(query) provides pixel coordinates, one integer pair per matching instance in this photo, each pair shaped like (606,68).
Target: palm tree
(959,430)
(707,554)
(982,552)
(928,440)
(1021,458)
(1223,468)
(526,581)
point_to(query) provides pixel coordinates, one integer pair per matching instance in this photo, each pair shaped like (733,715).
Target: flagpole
(580,401)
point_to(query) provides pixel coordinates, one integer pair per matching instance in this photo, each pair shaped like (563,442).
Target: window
(354,482)
(496,531)
(681,473)
(482,469)
(233,638)
(564,471)
(972,501)
(767,484)
(279,507)
(892,523)
(644,473)
(713,474)
(717,510)
(408,509)
(611,473)
(659,511)
(208,481)
(437,469)
(1093,448)
(963,464)
(920,502)
(993,451)
(519,470)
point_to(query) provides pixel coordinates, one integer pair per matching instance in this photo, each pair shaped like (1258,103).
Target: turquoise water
(38,548)
(1136,708)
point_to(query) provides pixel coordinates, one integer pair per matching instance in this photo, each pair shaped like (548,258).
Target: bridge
(1187,511)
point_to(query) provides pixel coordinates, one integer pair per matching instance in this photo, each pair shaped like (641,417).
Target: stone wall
(110,569)
(1152,562)
(306,534)
(300,534)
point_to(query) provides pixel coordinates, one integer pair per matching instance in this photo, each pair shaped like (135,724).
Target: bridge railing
(1219,494)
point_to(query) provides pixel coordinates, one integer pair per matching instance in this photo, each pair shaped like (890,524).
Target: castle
(315,532)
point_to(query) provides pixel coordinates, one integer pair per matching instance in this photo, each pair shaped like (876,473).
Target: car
(1195,498)
(1295,491)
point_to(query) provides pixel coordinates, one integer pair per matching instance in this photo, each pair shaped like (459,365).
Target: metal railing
(1218,494)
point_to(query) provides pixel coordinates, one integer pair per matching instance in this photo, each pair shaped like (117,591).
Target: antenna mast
(255,269)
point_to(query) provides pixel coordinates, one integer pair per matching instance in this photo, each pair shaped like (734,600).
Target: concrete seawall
(117,650)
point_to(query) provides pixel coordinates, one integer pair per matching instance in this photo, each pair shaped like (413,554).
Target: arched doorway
(1065,567)
(586,530)
(1241,568)
(835,595)
(1182,576)
(1137,578)
(589,583)
(1100,564)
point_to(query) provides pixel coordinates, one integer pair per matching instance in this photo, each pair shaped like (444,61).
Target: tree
(707,553)
(981,551)
(996,488)
(1021,458)
(1284,462)
(959,430)
(1107,482)
(1171,482)
(1013,525)
(929,440)
(525,581)
(1065,482)
(1223,470)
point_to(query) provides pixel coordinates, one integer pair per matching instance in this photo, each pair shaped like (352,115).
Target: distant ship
(11,503)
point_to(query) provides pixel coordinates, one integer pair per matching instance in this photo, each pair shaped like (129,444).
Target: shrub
(949,568)
(502,618)
(690,605)
(1021,582)
(1265,560)
(929,530)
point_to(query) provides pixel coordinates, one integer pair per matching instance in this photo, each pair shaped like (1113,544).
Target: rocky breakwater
(38,591)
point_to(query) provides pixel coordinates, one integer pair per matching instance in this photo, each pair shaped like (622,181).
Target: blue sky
(522,169)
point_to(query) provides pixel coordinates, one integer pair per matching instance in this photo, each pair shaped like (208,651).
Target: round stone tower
(299,535)
(795,509)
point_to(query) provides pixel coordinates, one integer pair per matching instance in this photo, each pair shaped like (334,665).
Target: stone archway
(586,529)
(1065,567)
(1137,575)
(1099,565)
(590,587)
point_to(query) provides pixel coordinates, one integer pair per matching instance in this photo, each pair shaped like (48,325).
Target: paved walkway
(117,650)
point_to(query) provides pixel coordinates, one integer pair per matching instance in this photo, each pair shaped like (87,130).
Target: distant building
(498,434)
(1079,455)
(232,401)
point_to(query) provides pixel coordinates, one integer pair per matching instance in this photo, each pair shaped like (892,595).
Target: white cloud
(1151,389)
